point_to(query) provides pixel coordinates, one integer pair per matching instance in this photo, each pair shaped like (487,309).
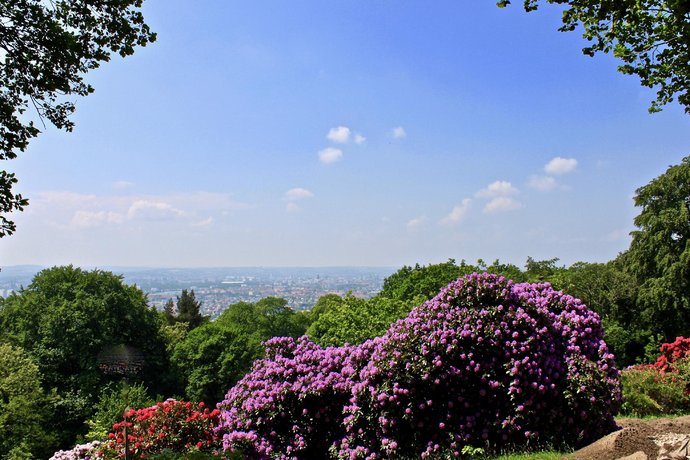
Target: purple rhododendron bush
(486,363)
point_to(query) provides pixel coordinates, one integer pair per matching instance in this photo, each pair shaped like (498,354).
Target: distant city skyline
(345,133)
(217,288)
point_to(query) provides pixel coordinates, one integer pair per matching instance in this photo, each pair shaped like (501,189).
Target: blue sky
(350,132)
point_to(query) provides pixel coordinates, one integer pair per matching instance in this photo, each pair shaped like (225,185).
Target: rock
(673,446)
(633,438)
(639,455)
(657,439)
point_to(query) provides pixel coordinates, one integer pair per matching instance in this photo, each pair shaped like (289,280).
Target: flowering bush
(484,363)
(171,425)
(660,388)
(671,353)
(292,401)
(648,391)
(81,452)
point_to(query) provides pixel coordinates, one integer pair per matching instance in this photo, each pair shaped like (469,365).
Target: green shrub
(682,372)
(647,391)
(23,407)
(114,399)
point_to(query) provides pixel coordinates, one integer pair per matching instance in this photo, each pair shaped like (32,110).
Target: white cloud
(87,219)
(292,207)
(359,139)
(558,166)
(74,211)
(497,188)
(202,201)
(416,223)
(67,199)
(122,184)
(204,223)
(330,155)
(298,193)
(542,183)
(458,212)
(399,133)
(341,135)
(501,204)
(153,210)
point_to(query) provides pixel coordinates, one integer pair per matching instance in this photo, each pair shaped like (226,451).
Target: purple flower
(485,362)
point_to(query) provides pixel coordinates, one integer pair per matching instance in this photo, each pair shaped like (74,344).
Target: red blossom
(172,424)
(672,352)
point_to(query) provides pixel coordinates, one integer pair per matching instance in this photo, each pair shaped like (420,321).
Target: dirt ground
(637,437)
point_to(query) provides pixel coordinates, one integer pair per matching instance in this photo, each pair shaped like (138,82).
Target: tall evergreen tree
(189,309)
(169,312)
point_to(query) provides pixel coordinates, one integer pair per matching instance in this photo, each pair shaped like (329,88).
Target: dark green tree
(47,48)
(189,310)
(510,271)
(277,319)
(67,319)
(650,37)
(169,312)
(604,287)
(608,289)
(241,314)
(659,254)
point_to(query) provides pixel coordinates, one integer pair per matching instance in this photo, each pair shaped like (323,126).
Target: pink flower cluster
(88,451)
(486,363)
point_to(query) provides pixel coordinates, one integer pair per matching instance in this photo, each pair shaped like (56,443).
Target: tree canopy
(46,49)
(23,406)
(69,321)
(186,311)
(422,282)
(212,358)
(651,37)
(353,320)
(659,254)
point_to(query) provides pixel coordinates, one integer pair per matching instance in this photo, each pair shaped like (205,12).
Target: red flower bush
(671,353)
(660,388)
(172,425)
